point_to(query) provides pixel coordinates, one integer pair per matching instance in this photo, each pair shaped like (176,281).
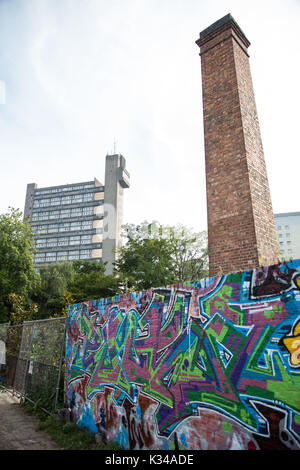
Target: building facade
(288,231)
(81,220)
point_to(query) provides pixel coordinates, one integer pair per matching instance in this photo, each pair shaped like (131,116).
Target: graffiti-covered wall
(213,364)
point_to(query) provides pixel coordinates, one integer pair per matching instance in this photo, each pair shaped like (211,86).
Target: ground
(18,430)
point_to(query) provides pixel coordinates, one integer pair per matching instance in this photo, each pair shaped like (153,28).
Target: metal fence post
(27,361)
(60,365)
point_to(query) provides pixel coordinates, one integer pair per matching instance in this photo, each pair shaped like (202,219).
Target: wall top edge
(227,22)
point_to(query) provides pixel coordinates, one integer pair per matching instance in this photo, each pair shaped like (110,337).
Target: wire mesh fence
(34,353)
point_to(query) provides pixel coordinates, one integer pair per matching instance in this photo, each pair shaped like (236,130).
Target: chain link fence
(33,361)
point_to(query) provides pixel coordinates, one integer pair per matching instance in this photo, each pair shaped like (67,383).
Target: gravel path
(18,430)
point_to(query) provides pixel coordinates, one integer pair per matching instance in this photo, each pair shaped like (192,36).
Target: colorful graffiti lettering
(292,343)
(210,364)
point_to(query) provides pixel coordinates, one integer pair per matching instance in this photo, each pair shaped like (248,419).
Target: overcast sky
(78,75)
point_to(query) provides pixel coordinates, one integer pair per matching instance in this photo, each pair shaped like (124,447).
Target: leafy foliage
(51,296)
(17,274)
(20,311)
(157,255)
(189,253)
(67,283)
(90,282)
(93,285)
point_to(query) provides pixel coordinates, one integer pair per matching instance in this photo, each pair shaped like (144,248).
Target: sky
(83,78)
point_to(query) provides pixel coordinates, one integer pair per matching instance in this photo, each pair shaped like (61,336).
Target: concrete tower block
(29,201)
(116,180)
(241,227)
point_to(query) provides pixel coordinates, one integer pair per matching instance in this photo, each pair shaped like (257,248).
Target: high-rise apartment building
(81,220)
(288,231)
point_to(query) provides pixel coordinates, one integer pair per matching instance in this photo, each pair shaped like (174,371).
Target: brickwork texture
(241,227)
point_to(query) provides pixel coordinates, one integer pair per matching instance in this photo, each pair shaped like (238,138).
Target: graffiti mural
(213,364)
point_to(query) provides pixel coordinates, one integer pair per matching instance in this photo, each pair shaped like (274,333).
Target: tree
(90,282)
(156,255)
(72,282)
(146,259)
(20,311)
(86,266)
(17,273)
(190,253)
(53,288)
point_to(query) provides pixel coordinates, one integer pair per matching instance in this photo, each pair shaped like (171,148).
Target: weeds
(68,436)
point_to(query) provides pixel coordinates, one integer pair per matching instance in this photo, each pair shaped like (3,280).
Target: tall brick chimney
(241,227)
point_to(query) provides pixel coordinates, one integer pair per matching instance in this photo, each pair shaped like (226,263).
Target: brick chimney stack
(241,227)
